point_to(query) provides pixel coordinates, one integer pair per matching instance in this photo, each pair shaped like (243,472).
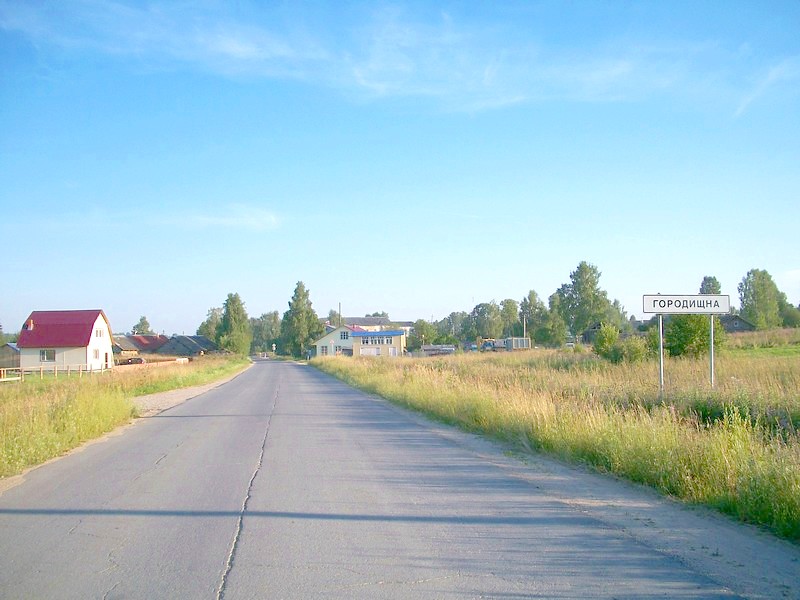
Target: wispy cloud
(387,51)
(787,70)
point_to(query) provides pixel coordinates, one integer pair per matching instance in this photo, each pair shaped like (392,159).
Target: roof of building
(59,328)
(367,321)
(187,345)
(392,333)
(148,343)
(13,346)
(124,343)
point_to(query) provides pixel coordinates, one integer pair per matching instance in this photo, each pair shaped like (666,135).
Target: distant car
(133,360)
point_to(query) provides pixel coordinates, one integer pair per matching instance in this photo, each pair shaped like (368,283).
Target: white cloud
(390,52)
(785,71)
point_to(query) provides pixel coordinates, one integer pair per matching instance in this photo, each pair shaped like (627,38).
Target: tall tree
(488,320)
(234,331)
(142,327)
(582,302)
(760,299)
(710,285)
(210,326)
(691,334)
(266,331)
(450,326)
(334,318)
(509,316)
(300,325)
(789,314)
(424,333)
(553,331)
(532,312)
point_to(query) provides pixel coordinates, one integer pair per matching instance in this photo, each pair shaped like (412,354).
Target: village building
(735,324)
(379,343)
(9,356)
(336,342)
(66,339)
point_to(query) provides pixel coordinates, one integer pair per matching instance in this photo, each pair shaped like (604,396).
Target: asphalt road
(285,483)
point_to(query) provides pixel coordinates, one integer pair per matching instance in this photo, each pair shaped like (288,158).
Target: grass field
(735,448)
(43,418)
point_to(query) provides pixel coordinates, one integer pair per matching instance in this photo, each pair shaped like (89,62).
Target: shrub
(605,340)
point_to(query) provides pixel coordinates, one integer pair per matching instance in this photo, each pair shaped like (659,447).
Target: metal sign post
(703,304)
(661,354)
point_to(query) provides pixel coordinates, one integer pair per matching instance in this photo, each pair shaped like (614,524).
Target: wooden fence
(19,374)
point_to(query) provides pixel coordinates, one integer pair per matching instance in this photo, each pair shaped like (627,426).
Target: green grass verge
(43,418)
(610,417)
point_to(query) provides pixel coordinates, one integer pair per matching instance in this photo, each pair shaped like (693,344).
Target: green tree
(509,315)
(760,299)
(710,285)
(790,315)
(210,326)
(553,332)
(424,333)
(533,313)
(266,331)
(488,320)
(583,303)
(379,314)
(334,318)
(690,334)
(605,340)
(300,325)
(142,327)
(234,331)
(450,327)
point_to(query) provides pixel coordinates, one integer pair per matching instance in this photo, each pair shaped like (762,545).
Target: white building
(62,339)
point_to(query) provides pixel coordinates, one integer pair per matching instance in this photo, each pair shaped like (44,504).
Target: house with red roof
(61,339)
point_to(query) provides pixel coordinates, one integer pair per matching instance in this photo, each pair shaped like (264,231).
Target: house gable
(60,328)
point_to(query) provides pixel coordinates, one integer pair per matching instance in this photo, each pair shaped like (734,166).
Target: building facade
(66,339)
(379,343)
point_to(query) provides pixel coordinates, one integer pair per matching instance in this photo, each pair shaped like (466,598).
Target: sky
(416,158)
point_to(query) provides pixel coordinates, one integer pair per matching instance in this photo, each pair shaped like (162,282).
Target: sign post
(702,304)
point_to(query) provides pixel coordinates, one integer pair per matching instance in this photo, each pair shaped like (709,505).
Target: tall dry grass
(43,418)
(735,448)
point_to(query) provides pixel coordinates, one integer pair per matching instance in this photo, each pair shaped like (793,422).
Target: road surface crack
(237,534)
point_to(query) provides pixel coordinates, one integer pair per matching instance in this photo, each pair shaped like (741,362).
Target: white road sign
(702,304)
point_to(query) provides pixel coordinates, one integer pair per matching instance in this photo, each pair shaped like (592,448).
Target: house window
(343,335)
(323,350)
(47,355)
(96,354)
(98,333)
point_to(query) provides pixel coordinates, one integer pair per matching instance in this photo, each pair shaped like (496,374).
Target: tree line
(573,308)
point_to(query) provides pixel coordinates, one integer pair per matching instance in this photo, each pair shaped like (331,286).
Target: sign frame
(698,304)
(682,304)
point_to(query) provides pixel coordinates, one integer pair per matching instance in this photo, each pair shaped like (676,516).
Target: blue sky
(414,158)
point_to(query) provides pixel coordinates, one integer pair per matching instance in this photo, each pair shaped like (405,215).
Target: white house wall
(75,358)
(101,341)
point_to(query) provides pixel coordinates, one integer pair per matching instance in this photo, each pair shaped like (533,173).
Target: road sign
(702,304)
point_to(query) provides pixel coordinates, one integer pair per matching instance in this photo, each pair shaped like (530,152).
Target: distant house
(187,345)
(338,341)
(379,343)
(124,347)
(60,339)
(9,356)
(735,323)
(374,324)
(148,343)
